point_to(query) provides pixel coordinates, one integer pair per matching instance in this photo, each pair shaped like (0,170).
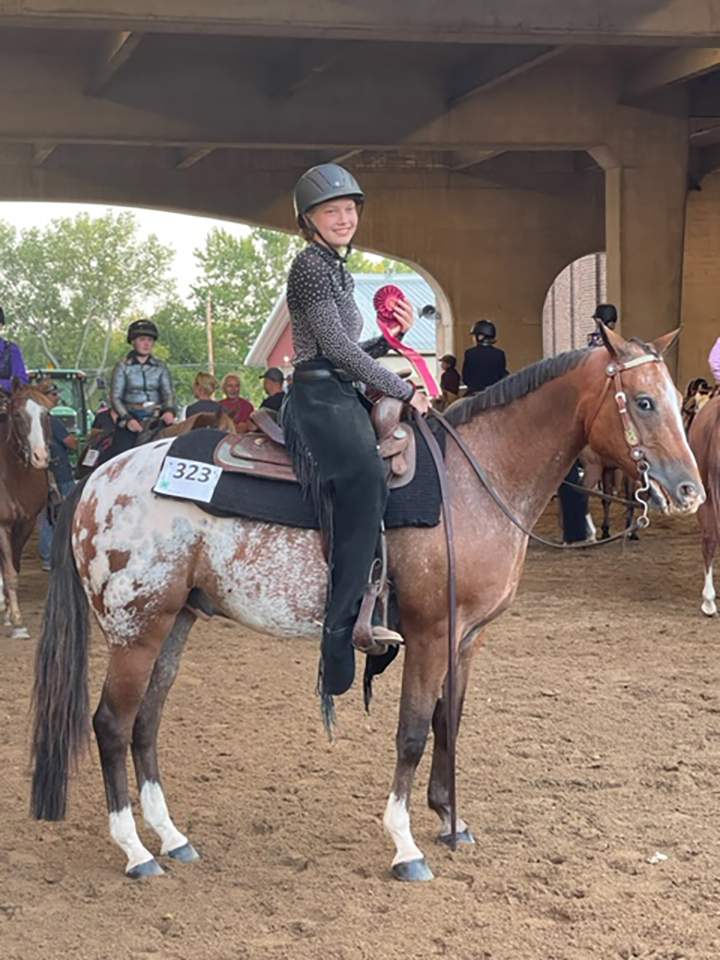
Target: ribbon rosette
(385,301)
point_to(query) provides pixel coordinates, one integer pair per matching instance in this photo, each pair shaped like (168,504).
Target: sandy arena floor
(590,741)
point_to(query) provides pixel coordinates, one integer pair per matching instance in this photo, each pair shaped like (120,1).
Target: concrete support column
(645,231)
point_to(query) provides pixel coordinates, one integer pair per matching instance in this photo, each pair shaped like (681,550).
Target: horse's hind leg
(129,672)
(423,675)
(144,743)
(708,526)
(438,786)
(608,477)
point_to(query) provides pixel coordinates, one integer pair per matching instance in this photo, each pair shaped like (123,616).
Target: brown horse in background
(219,420)
(137,560)
(704,440)
(599,472)
(24,462)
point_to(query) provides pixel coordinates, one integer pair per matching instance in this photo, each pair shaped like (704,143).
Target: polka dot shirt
(326,322)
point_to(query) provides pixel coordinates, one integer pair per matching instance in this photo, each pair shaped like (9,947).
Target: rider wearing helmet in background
(141,388)
(607,314)
(326,418)
(484,364)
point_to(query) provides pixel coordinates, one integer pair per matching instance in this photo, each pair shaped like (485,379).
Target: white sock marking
(397,824)
(708,594)
(125,835)
(590,529)
(156,816)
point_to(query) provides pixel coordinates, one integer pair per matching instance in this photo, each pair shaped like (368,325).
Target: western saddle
(262,453)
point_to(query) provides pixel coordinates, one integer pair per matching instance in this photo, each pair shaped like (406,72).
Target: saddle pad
(277,501)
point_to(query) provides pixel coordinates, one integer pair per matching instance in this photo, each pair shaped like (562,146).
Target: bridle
(18,444)
(613,371)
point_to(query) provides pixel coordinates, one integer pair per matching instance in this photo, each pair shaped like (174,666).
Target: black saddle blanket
(276,501)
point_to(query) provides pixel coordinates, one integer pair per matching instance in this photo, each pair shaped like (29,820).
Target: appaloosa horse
(133,558)
(704,440)
(24,459)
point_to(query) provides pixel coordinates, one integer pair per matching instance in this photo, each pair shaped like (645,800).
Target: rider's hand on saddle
(134,426)
(420,402)
(168,417)
(403,313)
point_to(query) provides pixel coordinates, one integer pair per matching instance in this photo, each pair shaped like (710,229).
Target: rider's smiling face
(336,220)
(143,346)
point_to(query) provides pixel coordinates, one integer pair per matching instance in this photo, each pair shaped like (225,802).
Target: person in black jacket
(484,363)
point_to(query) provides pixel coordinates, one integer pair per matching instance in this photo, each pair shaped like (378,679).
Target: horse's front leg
(13,617)
(439,785)
(423,675)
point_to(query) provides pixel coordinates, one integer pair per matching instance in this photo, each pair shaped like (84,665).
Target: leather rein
(613,372)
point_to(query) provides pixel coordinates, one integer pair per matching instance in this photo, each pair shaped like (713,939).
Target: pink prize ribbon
(384,302)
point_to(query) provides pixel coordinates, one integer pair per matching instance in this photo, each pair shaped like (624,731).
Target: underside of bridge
(496,141)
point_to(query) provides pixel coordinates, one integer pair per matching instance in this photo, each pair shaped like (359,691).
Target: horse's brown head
(637,420)
(29,424)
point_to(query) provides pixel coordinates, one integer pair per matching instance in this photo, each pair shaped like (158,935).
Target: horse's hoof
(184,854)
(151,868)
(605,535)
(708,608)
(412,871)
(633,535)
(463,836)
(20,633)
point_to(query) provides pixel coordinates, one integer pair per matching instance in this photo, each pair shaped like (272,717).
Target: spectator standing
(234,405)
(273,380)
(61,443)
(484,364)
(204,387)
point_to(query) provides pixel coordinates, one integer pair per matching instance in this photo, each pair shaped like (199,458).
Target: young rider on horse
(326,418)
(11,360)
(140,386)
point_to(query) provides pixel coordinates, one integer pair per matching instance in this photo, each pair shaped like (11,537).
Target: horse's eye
(644,404)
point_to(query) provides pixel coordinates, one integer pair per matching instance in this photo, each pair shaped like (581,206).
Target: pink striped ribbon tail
(418,363)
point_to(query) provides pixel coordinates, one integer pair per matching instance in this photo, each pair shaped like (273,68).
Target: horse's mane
(514,387)
(27,392)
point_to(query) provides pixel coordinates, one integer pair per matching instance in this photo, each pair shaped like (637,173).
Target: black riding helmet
(606,312)
(484,328)
(328,181)
(142,328)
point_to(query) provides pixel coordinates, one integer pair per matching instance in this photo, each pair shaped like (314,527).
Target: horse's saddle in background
(262,453)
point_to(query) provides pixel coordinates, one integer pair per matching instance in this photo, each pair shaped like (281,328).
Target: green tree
(244,277)
(359,262)
(70,288)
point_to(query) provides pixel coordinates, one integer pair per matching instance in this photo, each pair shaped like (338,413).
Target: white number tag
(187,479)
(90,458)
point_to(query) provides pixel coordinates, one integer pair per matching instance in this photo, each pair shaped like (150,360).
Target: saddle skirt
(261,453)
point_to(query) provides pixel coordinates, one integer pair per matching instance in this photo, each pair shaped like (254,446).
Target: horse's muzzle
(676,490)
(40,458)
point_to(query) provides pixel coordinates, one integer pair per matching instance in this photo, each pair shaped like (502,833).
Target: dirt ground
(590,742)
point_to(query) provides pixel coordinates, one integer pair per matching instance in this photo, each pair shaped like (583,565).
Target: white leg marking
(397,824)
(445,829)
(125,835)
(156,816)
(708,594)
(2,593)
(590,529)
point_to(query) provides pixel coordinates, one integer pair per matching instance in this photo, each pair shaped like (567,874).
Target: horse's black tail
(60,696)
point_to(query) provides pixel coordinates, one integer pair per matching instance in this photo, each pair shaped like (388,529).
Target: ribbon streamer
(385,301)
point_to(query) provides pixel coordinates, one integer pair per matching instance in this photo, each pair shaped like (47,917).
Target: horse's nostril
(687,491)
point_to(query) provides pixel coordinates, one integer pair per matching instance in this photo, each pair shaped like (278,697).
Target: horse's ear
(613,341)
(663,344)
